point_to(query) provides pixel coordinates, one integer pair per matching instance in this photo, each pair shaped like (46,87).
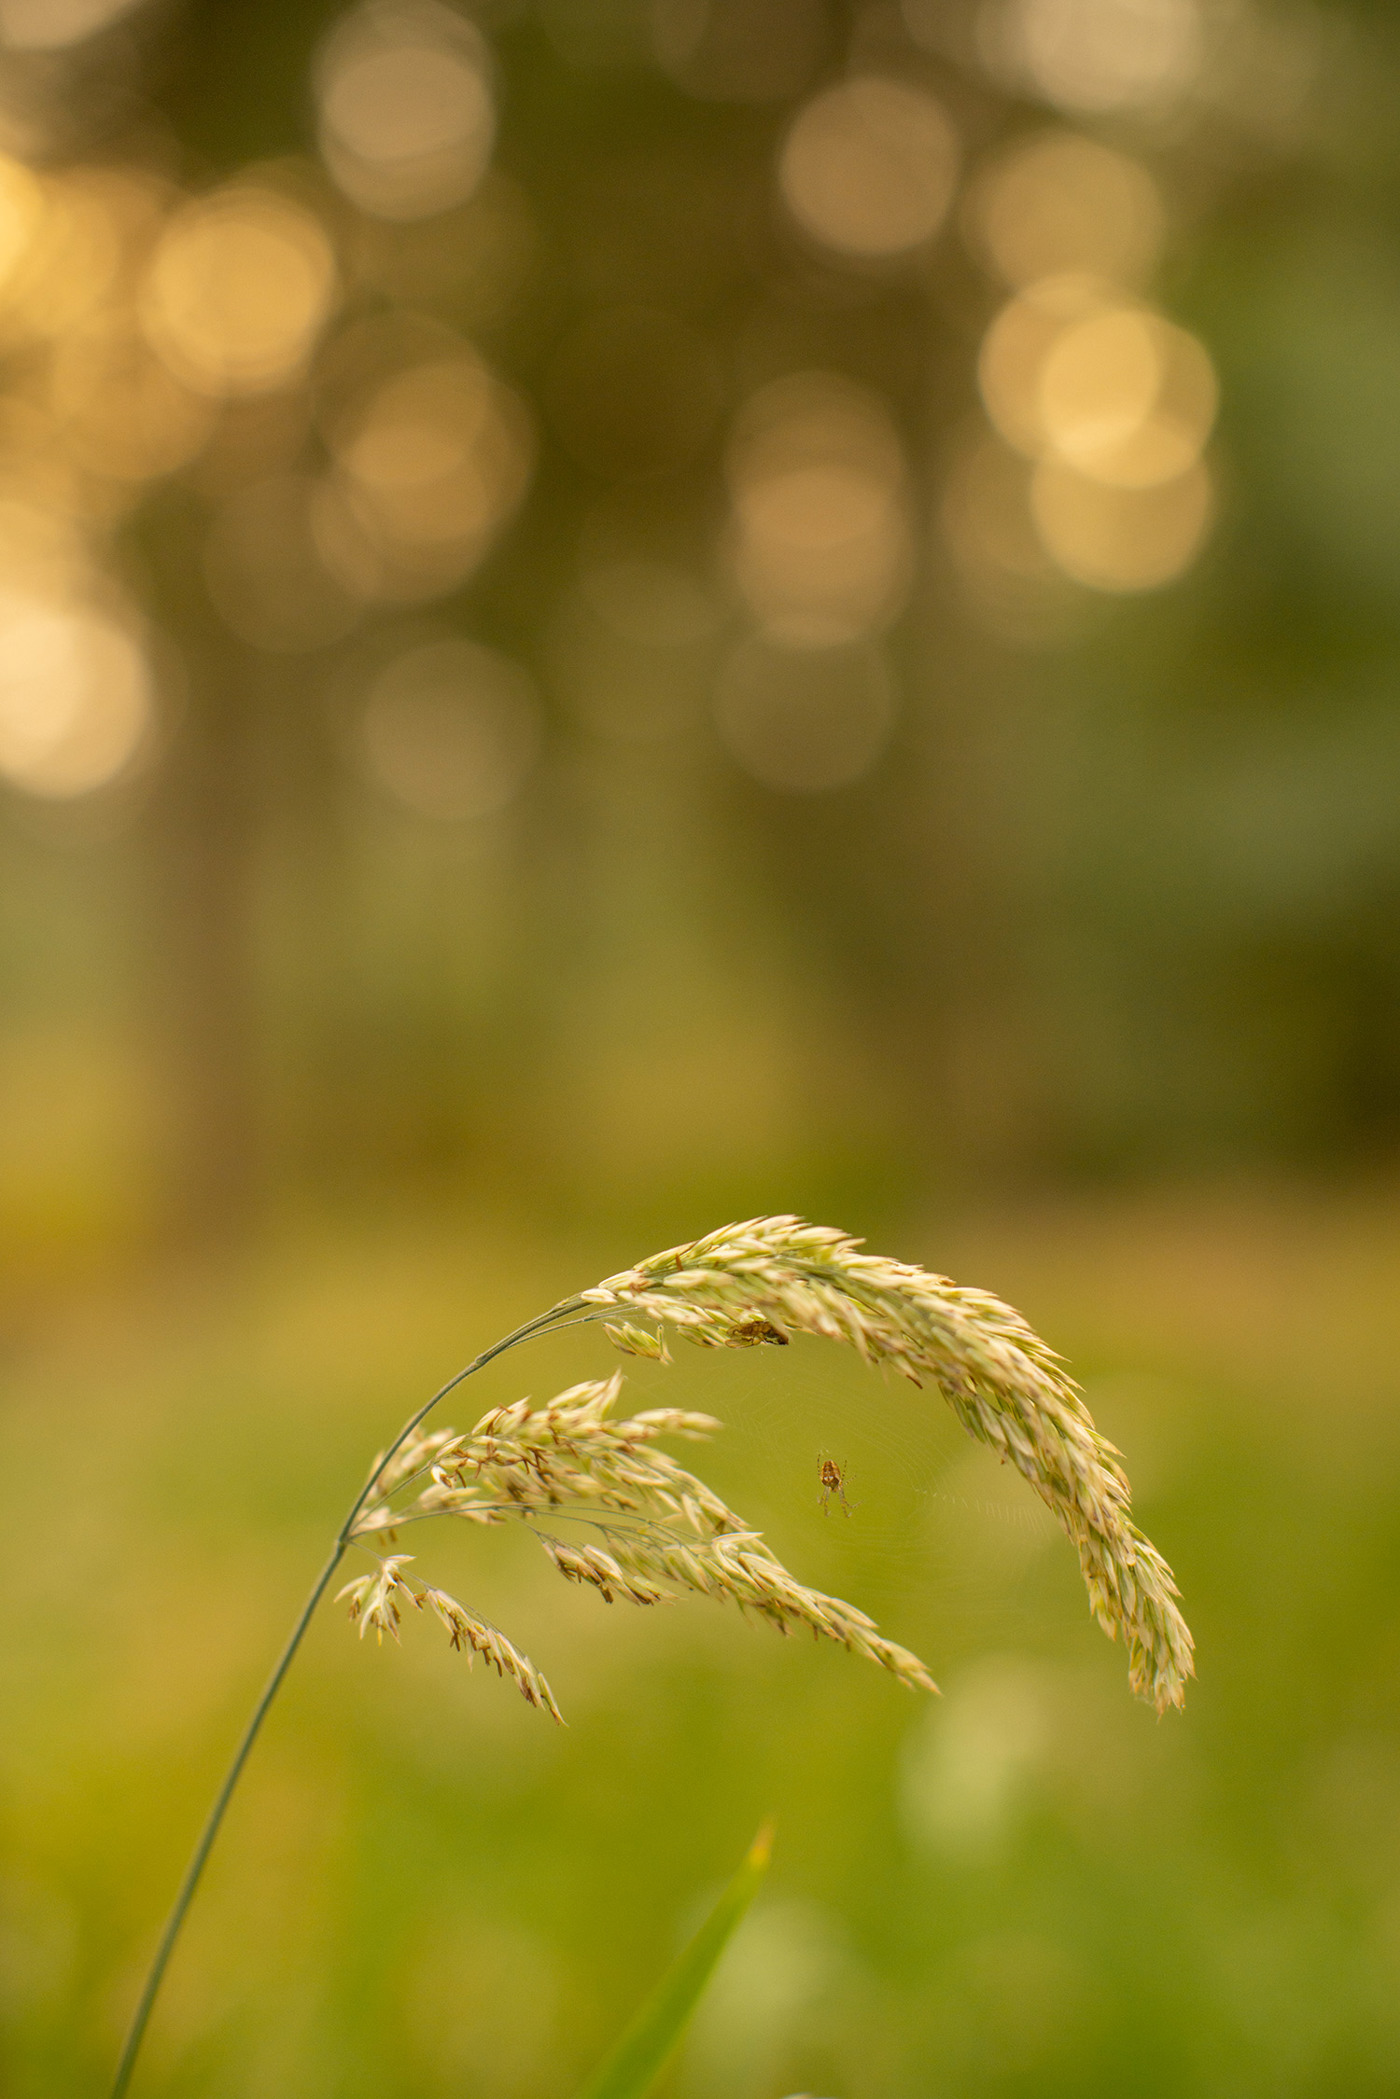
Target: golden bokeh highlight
(76,258)
(1101,393)
(238,289)
(1121,539)
(868,168)
(805,723)
(1127,398)
(451,730)
(819,541)
(427,469)
(407,117)
(21,216)
(1015,347)
(1096,57)
(1119,393)
(1058,203)
(76,701)
(49,25)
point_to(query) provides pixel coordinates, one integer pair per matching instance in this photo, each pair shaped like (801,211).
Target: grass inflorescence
(639,1528)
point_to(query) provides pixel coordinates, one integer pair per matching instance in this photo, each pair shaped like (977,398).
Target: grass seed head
(1006,1386)
(652,1529)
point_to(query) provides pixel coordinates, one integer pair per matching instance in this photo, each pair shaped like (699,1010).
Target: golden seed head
(651,1529)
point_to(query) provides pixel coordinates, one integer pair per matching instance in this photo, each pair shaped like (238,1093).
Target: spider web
(937,1529)
(944,1547)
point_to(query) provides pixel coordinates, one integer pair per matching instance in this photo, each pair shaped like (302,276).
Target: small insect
(833,1481)
(754,1332)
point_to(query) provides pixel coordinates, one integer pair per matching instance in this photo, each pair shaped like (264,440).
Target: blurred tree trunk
(203,834)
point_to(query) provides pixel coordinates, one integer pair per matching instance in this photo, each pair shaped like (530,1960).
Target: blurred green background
(613,614)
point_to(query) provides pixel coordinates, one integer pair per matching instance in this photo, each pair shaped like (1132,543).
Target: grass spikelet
(636,1341)
(473,1636)
(373,1603)
(372,1597)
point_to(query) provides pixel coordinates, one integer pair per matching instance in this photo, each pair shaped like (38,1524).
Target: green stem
(211,1828)
(195,1868)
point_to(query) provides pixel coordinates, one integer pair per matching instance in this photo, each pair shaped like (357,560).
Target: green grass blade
(640,2056)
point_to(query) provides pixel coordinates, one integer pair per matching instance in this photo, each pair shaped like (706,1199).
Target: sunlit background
(615,613)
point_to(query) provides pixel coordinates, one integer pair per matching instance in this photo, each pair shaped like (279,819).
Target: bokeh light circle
(238,289)
(1121,539)
(819,541)
(1012,357)
(428,465)
(50,25)
(1127,398)
(451,730)
(76,699)
(1098,56)
(1058,202)
(22,208)
(407,116)
(868,167)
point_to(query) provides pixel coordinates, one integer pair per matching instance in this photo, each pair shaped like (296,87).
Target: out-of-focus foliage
(695,591)
(651,2038)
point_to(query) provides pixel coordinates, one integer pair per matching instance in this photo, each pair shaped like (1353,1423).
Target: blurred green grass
(1028,1887)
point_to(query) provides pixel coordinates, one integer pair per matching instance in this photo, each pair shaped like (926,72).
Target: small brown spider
(833,1481)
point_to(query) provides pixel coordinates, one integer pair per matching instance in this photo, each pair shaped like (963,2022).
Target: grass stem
(568,1312)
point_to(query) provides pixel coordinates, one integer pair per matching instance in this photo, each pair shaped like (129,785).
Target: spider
(833,1481)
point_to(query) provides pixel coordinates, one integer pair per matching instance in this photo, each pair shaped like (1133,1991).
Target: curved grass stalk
(199,1857)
